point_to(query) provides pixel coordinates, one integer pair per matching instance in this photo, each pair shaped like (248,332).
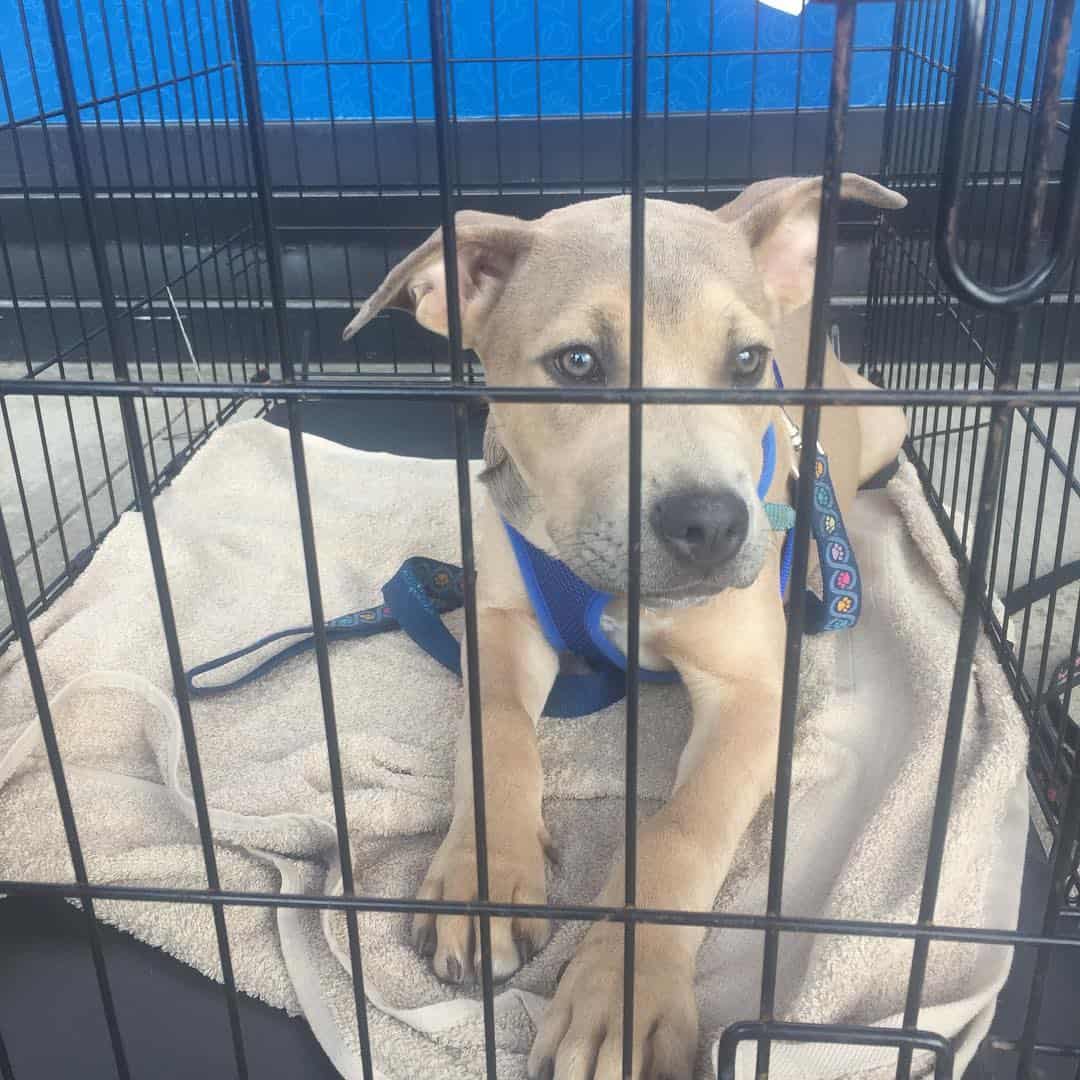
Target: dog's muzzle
(704,529)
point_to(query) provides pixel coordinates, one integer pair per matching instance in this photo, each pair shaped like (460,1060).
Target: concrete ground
(64,474)
(1040,517)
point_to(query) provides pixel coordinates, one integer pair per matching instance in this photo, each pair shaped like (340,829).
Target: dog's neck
(515,504)
(504,481)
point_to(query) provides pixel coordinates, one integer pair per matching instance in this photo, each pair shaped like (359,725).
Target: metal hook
(1037,282)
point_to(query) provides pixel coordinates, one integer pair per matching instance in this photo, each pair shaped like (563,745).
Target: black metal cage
(173,255)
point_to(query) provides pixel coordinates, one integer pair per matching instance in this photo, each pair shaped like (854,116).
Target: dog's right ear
(488,248)
(779,219)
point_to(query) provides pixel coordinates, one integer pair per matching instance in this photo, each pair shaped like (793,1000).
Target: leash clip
(793,430)
(795,435)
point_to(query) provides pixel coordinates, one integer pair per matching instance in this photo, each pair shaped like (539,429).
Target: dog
(546,303)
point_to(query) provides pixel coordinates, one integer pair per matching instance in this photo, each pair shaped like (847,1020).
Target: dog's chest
(653,625)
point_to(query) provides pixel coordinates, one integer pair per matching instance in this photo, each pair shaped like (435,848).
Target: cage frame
(461,392)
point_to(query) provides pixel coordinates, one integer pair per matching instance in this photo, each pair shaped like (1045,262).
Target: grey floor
(1040,516)
(64,474)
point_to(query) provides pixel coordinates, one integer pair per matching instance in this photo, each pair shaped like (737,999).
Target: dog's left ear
(780,220)
(488,248)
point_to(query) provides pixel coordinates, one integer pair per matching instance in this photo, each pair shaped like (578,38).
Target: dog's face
(564,319)
(547,303)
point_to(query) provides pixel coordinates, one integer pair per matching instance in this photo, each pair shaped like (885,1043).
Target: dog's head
(547,303)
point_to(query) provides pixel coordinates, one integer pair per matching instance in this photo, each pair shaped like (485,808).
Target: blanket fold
(872,716)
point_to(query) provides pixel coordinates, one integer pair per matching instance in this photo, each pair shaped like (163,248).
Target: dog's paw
(580,1036)
(515,875)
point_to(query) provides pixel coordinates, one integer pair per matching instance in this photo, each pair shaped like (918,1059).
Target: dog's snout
(706,528)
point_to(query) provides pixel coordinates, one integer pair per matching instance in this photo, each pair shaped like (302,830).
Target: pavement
(64,475)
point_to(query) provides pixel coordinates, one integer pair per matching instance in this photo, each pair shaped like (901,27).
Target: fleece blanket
(872,714)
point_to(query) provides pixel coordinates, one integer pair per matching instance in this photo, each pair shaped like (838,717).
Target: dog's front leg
(517,669)
(684,852)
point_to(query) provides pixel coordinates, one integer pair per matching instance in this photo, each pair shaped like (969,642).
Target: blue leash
(414,600)
(424,586)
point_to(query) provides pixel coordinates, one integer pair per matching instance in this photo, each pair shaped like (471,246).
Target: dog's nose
(702,527)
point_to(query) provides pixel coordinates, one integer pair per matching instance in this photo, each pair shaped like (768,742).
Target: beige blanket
(866,764)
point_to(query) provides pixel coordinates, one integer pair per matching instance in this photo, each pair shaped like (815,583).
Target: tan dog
(547,303)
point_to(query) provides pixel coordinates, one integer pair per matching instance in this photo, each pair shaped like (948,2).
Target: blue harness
(569,611)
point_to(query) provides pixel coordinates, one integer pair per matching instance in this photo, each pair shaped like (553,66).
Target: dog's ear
(488,247)
(780,220)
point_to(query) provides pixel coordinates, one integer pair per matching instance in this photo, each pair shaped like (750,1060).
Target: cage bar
(638,106)
(13,592)
(260,168)
(144,502)
(581,913)
(447,175)
(796,607)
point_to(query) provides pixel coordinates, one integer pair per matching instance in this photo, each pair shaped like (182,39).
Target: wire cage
(193,193)
(1030,588)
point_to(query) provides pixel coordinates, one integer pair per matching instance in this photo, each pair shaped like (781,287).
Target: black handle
(1037,282)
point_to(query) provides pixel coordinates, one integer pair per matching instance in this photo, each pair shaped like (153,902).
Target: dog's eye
(578,364)
(748,364)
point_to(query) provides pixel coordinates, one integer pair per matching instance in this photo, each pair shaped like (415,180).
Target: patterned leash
(839,607)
